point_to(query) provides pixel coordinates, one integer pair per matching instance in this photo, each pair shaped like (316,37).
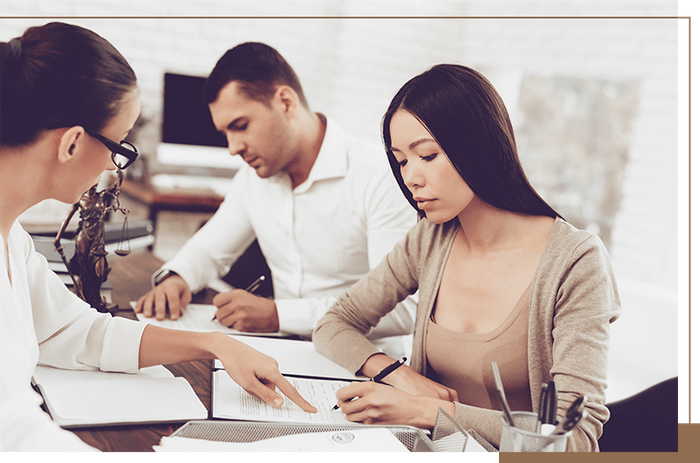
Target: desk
(130,277)
(170,199)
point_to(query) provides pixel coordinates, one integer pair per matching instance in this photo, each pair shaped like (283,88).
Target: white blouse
(41,321)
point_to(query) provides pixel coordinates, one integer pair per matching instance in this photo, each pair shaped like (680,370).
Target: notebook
(79,398)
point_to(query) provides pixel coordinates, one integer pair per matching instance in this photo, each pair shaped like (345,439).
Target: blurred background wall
(593,102)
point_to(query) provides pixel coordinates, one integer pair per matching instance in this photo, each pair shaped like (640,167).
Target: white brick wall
(350,69)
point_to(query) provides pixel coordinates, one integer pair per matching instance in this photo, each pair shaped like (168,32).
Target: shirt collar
(332,159)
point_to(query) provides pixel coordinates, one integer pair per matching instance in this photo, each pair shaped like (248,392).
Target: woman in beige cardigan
(502,277)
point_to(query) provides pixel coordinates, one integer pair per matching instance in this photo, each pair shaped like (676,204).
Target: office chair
(644,422)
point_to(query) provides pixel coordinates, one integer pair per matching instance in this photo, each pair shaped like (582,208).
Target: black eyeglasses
(123,153)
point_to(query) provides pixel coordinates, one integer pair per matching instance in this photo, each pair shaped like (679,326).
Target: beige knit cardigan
(573,300)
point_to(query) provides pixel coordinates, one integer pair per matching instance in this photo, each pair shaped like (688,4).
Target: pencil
(502,395)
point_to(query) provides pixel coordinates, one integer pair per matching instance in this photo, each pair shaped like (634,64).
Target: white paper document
(295,357)
(197,317)
(359,440)
(230,401)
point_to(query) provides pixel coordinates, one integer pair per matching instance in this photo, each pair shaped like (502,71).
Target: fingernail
(278,402)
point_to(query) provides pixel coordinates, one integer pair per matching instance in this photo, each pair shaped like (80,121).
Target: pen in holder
(521,430)
(501,394)
(523,435)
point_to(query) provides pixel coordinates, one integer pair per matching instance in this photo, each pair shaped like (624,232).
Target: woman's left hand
(373,403)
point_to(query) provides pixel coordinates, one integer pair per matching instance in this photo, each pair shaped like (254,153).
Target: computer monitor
(188,135)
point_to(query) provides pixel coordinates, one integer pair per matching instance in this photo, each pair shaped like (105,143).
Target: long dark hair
(467,118)
(59,75)
(258,68)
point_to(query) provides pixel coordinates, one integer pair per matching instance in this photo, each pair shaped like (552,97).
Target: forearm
(160,346)
(342,343)
(219,243)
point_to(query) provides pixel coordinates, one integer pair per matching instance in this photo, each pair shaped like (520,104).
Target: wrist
(376,363)
(213,343)
(162,275)
(429,406)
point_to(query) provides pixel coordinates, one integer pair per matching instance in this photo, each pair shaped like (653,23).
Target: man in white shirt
(322,204)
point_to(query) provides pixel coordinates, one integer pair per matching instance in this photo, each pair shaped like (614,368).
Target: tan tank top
(462,361)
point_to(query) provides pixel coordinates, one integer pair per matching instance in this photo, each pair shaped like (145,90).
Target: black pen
(386,371)
(550,408)
(251,288)
(542,408)
(382,374)
(574,415)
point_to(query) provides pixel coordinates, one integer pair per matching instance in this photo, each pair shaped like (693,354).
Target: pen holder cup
(523,436)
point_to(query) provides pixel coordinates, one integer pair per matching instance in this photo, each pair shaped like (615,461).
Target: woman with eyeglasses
(67,97)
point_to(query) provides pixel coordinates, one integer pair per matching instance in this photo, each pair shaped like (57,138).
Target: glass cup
(523,438)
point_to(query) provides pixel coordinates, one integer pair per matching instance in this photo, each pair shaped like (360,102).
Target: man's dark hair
(259,70)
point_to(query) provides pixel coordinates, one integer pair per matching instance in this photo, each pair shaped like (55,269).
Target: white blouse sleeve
(73,335)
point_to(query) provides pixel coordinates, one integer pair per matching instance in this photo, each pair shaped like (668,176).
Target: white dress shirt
(41,321)
(318,239)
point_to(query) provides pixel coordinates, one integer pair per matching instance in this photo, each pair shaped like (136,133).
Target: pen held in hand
(251,288)
(256,284)
(389,369)
(381,375)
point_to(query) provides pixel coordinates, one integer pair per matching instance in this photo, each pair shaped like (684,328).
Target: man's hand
(243,311)
(171,295)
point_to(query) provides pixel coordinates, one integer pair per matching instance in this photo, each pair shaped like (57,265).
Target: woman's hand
(254,371)
(407,379)
(257,373)
(373,403)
